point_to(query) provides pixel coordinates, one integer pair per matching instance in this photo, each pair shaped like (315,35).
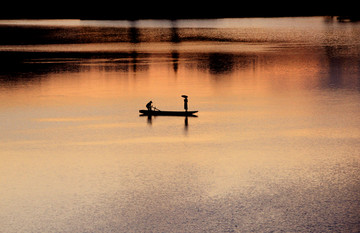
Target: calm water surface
(275,146)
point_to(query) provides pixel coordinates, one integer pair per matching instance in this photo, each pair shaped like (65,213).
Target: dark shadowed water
(275,146)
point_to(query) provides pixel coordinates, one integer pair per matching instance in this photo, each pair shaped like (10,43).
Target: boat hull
(167,113)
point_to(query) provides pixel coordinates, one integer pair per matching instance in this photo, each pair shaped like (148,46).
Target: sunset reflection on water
(274,146)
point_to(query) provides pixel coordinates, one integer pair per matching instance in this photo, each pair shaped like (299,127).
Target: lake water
(275,146)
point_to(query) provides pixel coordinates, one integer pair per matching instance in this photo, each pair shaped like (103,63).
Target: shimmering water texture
(275,146)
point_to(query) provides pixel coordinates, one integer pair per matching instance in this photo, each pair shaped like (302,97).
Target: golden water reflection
(275,146)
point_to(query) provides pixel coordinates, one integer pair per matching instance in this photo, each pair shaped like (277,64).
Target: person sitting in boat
(185,102)
(149,106)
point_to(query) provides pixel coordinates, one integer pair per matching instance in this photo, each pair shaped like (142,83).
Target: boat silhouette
(167,113)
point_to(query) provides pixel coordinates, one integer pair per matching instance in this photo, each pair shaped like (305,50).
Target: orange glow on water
(276,137)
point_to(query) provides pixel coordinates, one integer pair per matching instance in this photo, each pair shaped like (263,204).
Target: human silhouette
(149,106)
(185,102)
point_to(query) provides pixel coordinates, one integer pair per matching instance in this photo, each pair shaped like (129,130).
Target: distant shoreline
(339,17)
(162,17)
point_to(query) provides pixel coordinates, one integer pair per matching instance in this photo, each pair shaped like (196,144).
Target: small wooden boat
(167,113)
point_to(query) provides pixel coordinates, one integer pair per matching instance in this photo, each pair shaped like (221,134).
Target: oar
(156,108)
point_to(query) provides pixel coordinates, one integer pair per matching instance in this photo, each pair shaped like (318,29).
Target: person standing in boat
(149,106)
(185,102)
